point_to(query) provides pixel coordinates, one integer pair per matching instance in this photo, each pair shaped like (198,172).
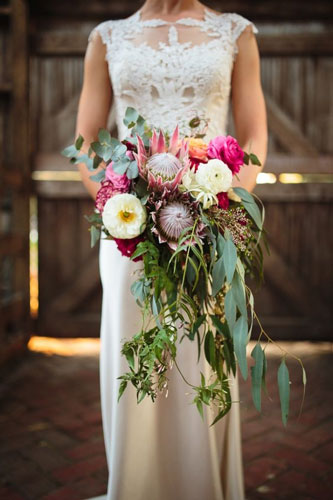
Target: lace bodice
(173,71)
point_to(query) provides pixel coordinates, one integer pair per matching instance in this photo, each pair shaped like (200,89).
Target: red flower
(128,246)
(223,200)
(227,149)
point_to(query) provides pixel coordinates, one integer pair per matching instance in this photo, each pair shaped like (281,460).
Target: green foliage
(284,390)
(198,289)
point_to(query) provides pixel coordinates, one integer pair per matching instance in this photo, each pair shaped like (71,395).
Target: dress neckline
(182,20)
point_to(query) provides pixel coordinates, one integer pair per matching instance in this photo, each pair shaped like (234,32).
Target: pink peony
(120,181)
(104,193)
(227,149)
(223,200)
(128,246)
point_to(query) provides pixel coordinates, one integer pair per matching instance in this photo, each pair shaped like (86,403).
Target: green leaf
(131,116)
(230,309)
(122,388)
(196,325)
(120,166)
(132,171)
(244,194)
(220,244)
(195,122)
(79,141)
(198,402)
(238,293)
(104,136)
(254,159)
(95,235)
(230,259)
(284,390)
(256,375)
(98,177)
(240,342)
(70,151)
(218,276)
(210,349)
(254,212)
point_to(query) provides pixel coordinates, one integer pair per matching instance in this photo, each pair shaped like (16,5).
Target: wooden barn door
(296,71)
(15,323)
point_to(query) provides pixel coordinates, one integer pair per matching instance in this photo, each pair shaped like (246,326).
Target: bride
(171,60)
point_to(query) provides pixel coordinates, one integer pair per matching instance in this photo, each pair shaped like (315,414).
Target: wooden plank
(11,244)
(282,163)
(291,285)
(82,285)
(12,308)
(294,328)
(58,43)
(287,131)
(289,193)
(66,325)
(268,10)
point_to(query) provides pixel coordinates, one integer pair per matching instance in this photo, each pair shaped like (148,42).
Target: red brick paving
(52,446)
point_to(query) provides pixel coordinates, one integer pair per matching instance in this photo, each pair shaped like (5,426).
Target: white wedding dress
(170,72)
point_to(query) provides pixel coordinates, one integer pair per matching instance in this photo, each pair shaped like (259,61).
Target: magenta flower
(120,181)
(227,149)
(128,246)
(104,193)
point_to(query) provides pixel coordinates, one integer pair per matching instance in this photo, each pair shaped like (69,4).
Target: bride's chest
(171,67)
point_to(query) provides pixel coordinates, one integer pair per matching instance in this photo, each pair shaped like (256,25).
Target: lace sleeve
(238,24)
(104,30)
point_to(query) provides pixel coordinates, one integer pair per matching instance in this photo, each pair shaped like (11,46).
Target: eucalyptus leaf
(238,293)
(70,152)
(218,275)
(229,259)
(284,390)
(79,141)
(98,177)
(104,136)
(256,374)
(240,343)
(230,309)
(95,235)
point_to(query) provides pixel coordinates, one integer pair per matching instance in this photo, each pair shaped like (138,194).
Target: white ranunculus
(124,216)
(215,176)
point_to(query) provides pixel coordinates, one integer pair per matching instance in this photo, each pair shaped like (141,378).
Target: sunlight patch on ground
(65,347)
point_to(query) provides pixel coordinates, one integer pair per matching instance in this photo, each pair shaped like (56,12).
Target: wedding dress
(170,72)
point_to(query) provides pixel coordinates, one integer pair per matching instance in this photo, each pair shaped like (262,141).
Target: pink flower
(223,200)
(120,181)
(128,246)
(227,149)
(105,192)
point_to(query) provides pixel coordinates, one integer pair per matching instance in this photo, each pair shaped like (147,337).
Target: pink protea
(163,165)
(173,214)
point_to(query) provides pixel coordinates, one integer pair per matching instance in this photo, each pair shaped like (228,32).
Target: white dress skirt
(161,450)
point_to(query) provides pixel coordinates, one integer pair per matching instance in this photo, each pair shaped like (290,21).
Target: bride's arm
(94,104)
(248,106)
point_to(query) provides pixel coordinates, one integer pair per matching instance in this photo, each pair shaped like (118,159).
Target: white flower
(124,216)
(215,176)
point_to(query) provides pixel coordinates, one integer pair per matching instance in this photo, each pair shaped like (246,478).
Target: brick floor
(51,442)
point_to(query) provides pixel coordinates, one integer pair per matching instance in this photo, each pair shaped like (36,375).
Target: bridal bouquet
(169,201)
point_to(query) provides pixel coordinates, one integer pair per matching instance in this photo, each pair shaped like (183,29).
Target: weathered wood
(269,10)
(11,244)
(81,286)
(291,284)
(283,44)
(282,163)
(287,131)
